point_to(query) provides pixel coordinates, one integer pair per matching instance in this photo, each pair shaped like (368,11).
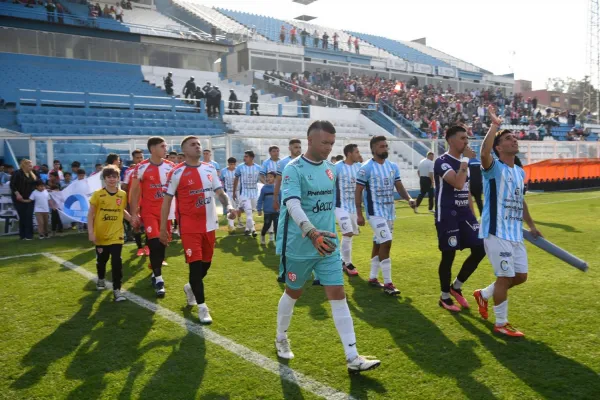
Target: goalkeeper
(307,242)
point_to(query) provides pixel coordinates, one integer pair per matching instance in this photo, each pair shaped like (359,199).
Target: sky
(534,39)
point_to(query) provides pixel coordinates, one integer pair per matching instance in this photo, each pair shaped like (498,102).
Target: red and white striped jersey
(195,187)
(153,182)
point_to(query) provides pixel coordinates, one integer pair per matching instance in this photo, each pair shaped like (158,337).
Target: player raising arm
(195,184)
(307,241)
(504,210)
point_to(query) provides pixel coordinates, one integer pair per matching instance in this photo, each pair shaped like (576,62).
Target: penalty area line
(285,372)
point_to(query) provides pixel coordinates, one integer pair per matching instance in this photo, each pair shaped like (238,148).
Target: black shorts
(458,233)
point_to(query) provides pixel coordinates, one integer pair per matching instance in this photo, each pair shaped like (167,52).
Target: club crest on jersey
(209,177)
(119,201)
(149,229)
(292,277)
(452,241)
(446,166)
(188,252)
(329,174)
(190,181)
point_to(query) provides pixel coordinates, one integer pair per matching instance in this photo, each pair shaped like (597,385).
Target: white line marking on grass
(257,359)
(43,254)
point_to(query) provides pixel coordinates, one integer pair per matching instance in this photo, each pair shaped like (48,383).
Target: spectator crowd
(428,109)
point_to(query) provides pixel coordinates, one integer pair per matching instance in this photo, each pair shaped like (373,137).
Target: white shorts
(346,221)
(508,258)
(245,203)
(382,229)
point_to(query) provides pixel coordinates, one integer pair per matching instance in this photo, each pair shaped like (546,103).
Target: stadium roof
(305,18)
(305,2)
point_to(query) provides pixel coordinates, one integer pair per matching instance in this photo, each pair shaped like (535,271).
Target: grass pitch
(60,338)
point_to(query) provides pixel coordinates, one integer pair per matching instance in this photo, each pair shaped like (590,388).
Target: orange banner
(563,169)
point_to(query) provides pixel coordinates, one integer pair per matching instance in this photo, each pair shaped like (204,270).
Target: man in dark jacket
(213,100)
(199,96)
(168,80)
(189,90)
(233,104)
(254,102)
(206,88)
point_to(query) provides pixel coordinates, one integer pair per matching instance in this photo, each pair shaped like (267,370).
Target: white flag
(73,202)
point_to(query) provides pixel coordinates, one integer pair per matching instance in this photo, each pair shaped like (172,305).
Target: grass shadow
(114,344)
(536,364)
(420,339)
(564,227)
(244,247)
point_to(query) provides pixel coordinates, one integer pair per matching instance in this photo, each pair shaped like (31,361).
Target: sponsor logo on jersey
(380,225)
(319,192)
(322,206)
(107,217)
(505,254)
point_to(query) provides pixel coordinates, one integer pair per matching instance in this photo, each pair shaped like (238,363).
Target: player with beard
(376,180)
(307,242)
(196,185)
(455,222)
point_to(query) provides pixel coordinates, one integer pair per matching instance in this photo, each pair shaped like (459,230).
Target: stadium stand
(269,27)
(400,49)
(268,103)
(223,23)
(440,55)
(139,19)
(365,48)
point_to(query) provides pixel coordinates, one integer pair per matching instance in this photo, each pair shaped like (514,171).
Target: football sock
(347,249)
(488,292)
(445,295)
(457,284)
(285,309)
(501,312)
(159,279)
(386,270)
(374,267)
(345,327)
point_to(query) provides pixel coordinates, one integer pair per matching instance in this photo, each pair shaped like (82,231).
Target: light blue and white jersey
(346,185)
(269,166)
(379,181)
(503,189)
(215,164)
(313,184)
(227,178)
(282,163)
(248,183)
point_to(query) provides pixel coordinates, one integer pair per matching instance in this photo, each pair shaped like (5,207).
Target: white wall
(326,113)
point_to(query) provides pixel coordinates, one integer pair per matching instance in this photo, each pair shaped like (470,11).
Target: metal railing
(89,100)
